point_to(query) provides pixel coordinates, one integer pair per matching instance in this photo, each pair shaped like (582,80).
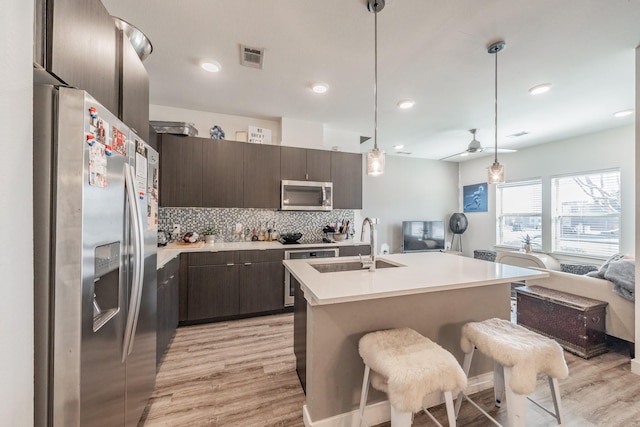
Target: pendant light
(375,157)
(496,170)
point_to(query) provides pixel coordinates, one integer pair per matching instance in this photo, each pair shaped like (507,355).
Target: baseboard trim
(635,366)
(379,412)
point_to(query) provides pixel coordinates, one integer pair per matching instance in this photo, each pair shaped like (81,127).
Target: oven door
(302,254)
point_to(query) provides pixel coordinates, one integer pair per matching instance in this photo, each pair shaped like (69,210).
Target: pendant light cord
(375,83)
(495,99)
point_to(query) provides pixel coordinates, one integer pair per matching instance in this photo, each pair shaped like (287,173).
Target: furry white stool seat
(408,366)
(519,355)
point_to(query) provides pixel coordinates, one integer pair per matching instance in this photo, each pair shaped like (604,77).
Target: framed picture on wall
(474,197)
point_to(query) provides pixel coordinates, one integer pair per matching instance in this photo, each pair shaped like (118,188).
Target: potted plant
(210,235)
(527,243)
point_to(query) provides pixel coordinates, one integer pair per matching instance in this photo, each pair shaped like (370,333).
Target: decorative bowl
(338,237)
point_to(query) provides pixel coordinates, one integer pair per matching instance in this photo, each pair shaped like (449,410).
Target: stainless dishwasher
(302,254)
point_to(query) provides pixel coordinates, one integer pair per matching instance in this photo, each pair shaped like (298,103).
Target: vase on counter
(209,239)
(527,248)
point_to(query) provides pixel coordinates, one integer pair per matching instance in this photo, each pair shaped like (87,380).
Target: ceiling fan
(476,147)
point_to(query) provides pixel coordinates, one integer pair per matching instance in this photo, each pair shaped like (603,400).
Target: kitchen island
(432,292)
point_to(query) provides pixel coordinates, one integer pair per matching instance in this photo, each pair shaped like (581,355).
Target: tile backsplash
(310,224)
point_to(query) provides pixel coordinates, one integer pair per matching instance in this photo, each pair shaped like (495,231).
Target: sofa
(620,321)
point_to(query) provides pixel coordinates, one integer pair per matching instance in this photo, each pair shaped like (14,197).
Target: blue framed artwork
(474,198)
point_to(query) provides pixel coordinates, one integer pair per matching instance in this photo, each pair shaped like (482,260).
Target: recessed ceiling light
(537,90)
(398,146)
(212,66)
(406,103)
(623,113)
(320,87)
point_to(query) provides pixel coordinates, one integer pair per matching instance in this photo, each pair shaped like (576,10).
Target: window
(586,213)
(519,209)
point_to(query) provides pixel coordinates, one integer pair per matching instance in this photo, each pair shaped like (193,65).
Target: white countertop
(172,250)
(419,273)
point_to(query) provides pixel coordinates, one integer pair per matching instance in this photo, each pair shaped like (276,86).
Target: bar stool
(408,366)
(519,355)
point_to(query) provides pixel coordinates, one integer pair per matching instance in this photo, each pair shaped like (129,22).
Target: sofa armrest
(620,321)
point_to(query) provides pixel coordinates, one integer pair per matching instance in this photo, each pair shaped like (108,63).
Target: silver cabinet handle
(247,263)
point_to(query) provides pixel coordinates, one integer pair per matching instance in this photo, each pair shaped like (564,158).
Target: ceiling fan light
(375,162)
(496,173)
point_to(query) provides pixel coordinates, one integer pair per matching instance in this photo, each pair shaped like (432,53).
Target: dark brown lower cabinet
(213,291)
(238,283)
(167,306)
(261,287)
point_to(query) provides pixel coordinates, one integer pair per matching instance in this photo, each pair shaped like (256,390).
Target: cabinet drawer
(213,258)
(273,255)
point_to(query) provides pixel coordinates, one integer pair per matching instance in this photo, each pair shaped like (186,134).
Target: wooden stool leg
(400,419)
(466,365)
(364,393)
(555,395)
(498,383)
(451,413)
(516,403)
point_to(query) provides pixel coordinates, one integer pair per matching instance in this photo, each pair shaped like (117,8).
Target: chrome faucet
(371,262)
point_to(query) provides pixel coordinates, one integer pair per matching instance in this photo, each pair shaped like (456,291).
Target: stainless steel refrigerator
(95,216)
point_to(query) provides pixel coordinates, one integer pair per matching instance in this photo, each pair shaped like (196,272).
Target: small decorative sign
(259,135)
(474,197)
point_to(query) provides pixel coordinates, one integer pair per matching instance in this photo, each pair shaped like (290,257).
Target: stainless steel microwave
(306,196)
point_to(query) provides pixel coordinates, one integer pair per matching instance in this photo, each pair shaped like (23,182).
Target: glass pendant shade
(496,173)
(375,162)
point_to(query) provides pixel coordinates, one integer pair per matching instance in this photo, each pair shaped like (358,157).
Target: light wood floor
(242,373)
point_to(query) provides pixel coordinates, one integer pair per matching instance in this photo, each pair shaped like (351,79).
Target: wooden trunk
(577,323)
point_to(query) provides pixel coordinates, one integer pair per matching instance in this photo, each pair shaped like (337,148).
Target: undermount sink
(334,267)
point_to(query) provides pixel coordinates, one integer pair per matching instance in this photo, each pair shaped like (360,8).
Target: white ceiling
(433,51)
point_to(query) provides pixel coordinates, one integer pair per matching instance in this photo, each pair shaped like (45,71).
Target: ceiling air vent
(251,56)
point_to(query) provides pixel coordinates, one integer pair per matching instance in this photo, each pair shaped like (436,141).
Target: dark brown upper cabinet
(81,48)
(134,89)
(346,175)
(303,164)
(222,173)
(180,171)
(261,176)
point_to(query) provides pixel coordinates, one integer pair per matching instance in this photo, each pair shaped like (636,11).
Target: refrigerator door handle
(138,264)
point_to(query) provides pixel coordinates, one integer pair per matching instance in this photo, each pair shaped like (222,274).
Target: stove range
(297,242)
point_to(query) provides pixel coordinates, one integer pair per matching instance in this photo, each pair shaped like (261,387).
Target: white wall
(410,189)
(341,140)
(204,121)
(613,148)
(298,133)
(16,224)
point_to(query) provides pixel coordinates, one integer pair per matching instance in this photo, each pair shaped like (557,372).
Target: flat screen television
(421,236)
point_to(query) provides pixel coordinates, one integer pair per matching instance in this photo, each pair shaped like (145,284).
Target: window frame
(557,216)
(500,214)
